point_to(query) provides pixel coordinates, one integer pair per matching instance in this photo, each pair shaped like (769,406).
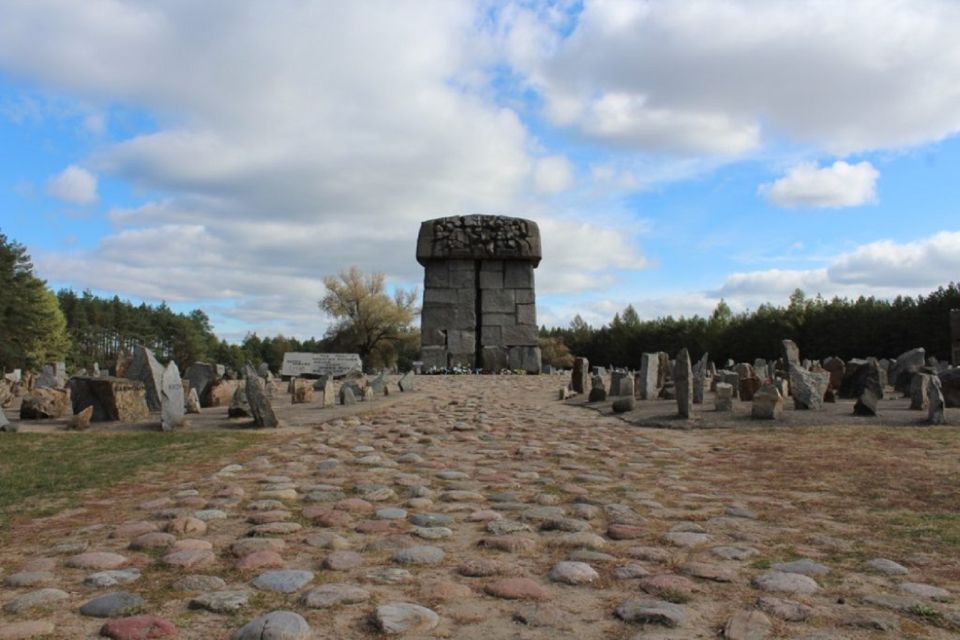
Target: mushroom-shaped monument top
(479,237)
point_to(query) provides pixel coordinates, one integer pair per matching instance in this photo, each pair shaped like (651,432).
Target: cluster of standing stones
(142,387)
(930,385)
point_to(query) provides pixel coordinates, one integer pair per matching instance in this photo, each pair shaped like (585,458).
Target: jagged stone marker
(260,407)
(171,398)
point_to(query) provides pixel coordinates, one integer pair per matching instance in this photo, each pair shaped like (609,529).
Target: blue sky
(227,155)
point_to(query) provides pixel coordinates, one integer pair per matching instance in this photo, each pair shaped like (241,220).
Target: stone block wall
(479,301)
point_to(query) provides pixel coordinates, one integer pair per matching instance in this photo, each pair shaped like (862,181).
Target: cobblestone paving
(477,508)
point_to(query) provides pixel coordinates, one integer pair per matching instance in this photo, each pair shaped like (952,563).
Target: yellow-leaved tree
(367,320)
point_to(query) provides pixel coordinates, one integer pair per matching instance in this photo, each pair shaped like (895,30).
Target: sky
(227,154)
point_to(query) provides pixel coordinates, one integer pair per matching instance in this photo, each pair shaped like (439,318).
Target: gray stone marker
(111,398)
(920,391)
(145,368)
(700,378)
(260,407)
(683,383)
(379,385)
(767,403)
(320,364)
(597,391)
(479,305)
(621,384)
(871,392)
(580,378)
(907,364)
(171,398)
(724,397)
(406,382)
(935,413)
(325,386)
(202,377)
(649,376)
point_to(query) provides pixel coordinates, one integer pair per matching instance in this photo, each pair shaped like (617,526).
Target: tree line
(865,326)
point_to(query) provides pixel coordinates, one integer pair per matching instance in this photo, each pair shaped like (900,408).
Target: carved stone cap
(479,237)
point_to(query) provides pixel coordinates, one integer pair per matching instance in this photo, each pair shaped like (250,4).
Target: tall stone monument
(479,306)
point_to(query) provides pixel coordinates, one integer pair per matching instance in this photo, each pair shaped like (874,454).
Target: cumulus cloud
(839,185)
(74,184)
(707,77)
(553,174)
(883,269)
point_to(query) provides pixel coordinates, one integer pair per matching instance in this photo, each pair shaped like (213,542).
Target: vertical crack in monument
(479,304)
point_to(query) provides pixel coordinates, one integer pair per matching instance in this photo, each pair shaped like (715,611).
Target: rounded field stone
(482,568)
(33,599)
(403,617)
(573,573)
(28,579)
(275,529)
(286,581)
(804,566)
(419,555)
(686,538)
(153,540)
(432,533)
(112,577)
(430,519)
(389,575)
(266,559)
(625,532)
(748,625)
(331,595)
(780,582)
(391,513)
(242,548)
(276,625)
(925,591)
(97,560)
(887,567)
(220,601)
(113,605)
(342,560)
(199,583)
(189,558)
(734,553)
(138,628)
(651,611)
(516,589)
(667,584)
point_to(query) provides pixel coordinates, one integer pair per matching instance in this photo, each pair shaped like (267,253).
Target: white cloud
(553,174)
(884,269)
(708,77)
(74,184)
(839,185)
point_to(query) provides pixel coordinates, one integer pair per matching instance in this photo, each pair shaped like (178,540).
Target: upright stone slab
(47,379)
(597,391)
(871,392)
(699,378)
(621,383)
(406,382)
(314,365)
(117,399)
(171,398)
(920,391)
(325,386)
(580,380)
(649,376)
(479,305)
(935,413)
(767,403)
(260,407)
(301,391)
(202,377)
(724,397)
(145,368)
(907,364)
(683,383)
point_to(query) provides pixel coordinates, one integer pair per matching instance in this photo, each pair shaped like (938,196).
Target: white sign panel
(320,364)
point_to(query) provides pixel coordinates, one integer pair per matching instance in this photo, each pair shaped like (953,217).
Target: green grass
(41,474)
(941,529)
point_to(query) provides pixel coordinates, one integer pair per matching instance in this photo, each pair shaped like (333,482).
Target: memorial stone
(325,386)
(767,403)
(301,391)
(379,385)
(871,392)
(145,368)
(47,379)
(406,382)
(112,399)
(760,369)
(907,364)
(597,391)
(723,400)
(479,305)
(171,398)
(699,378)
(920,391)
(581,375)
(935,410)
(748,387)
(192,401)
(683,384)
(202,377)
(621,383)
(260,407)
(320,364)
(649,376)
(950,386)
(239,407)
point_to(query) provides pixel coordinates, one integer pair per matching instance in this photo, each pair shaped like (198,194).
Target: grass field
(41,474)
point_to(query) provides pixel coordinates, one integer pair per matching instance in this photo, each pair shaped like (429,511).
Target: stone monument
(479,306)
